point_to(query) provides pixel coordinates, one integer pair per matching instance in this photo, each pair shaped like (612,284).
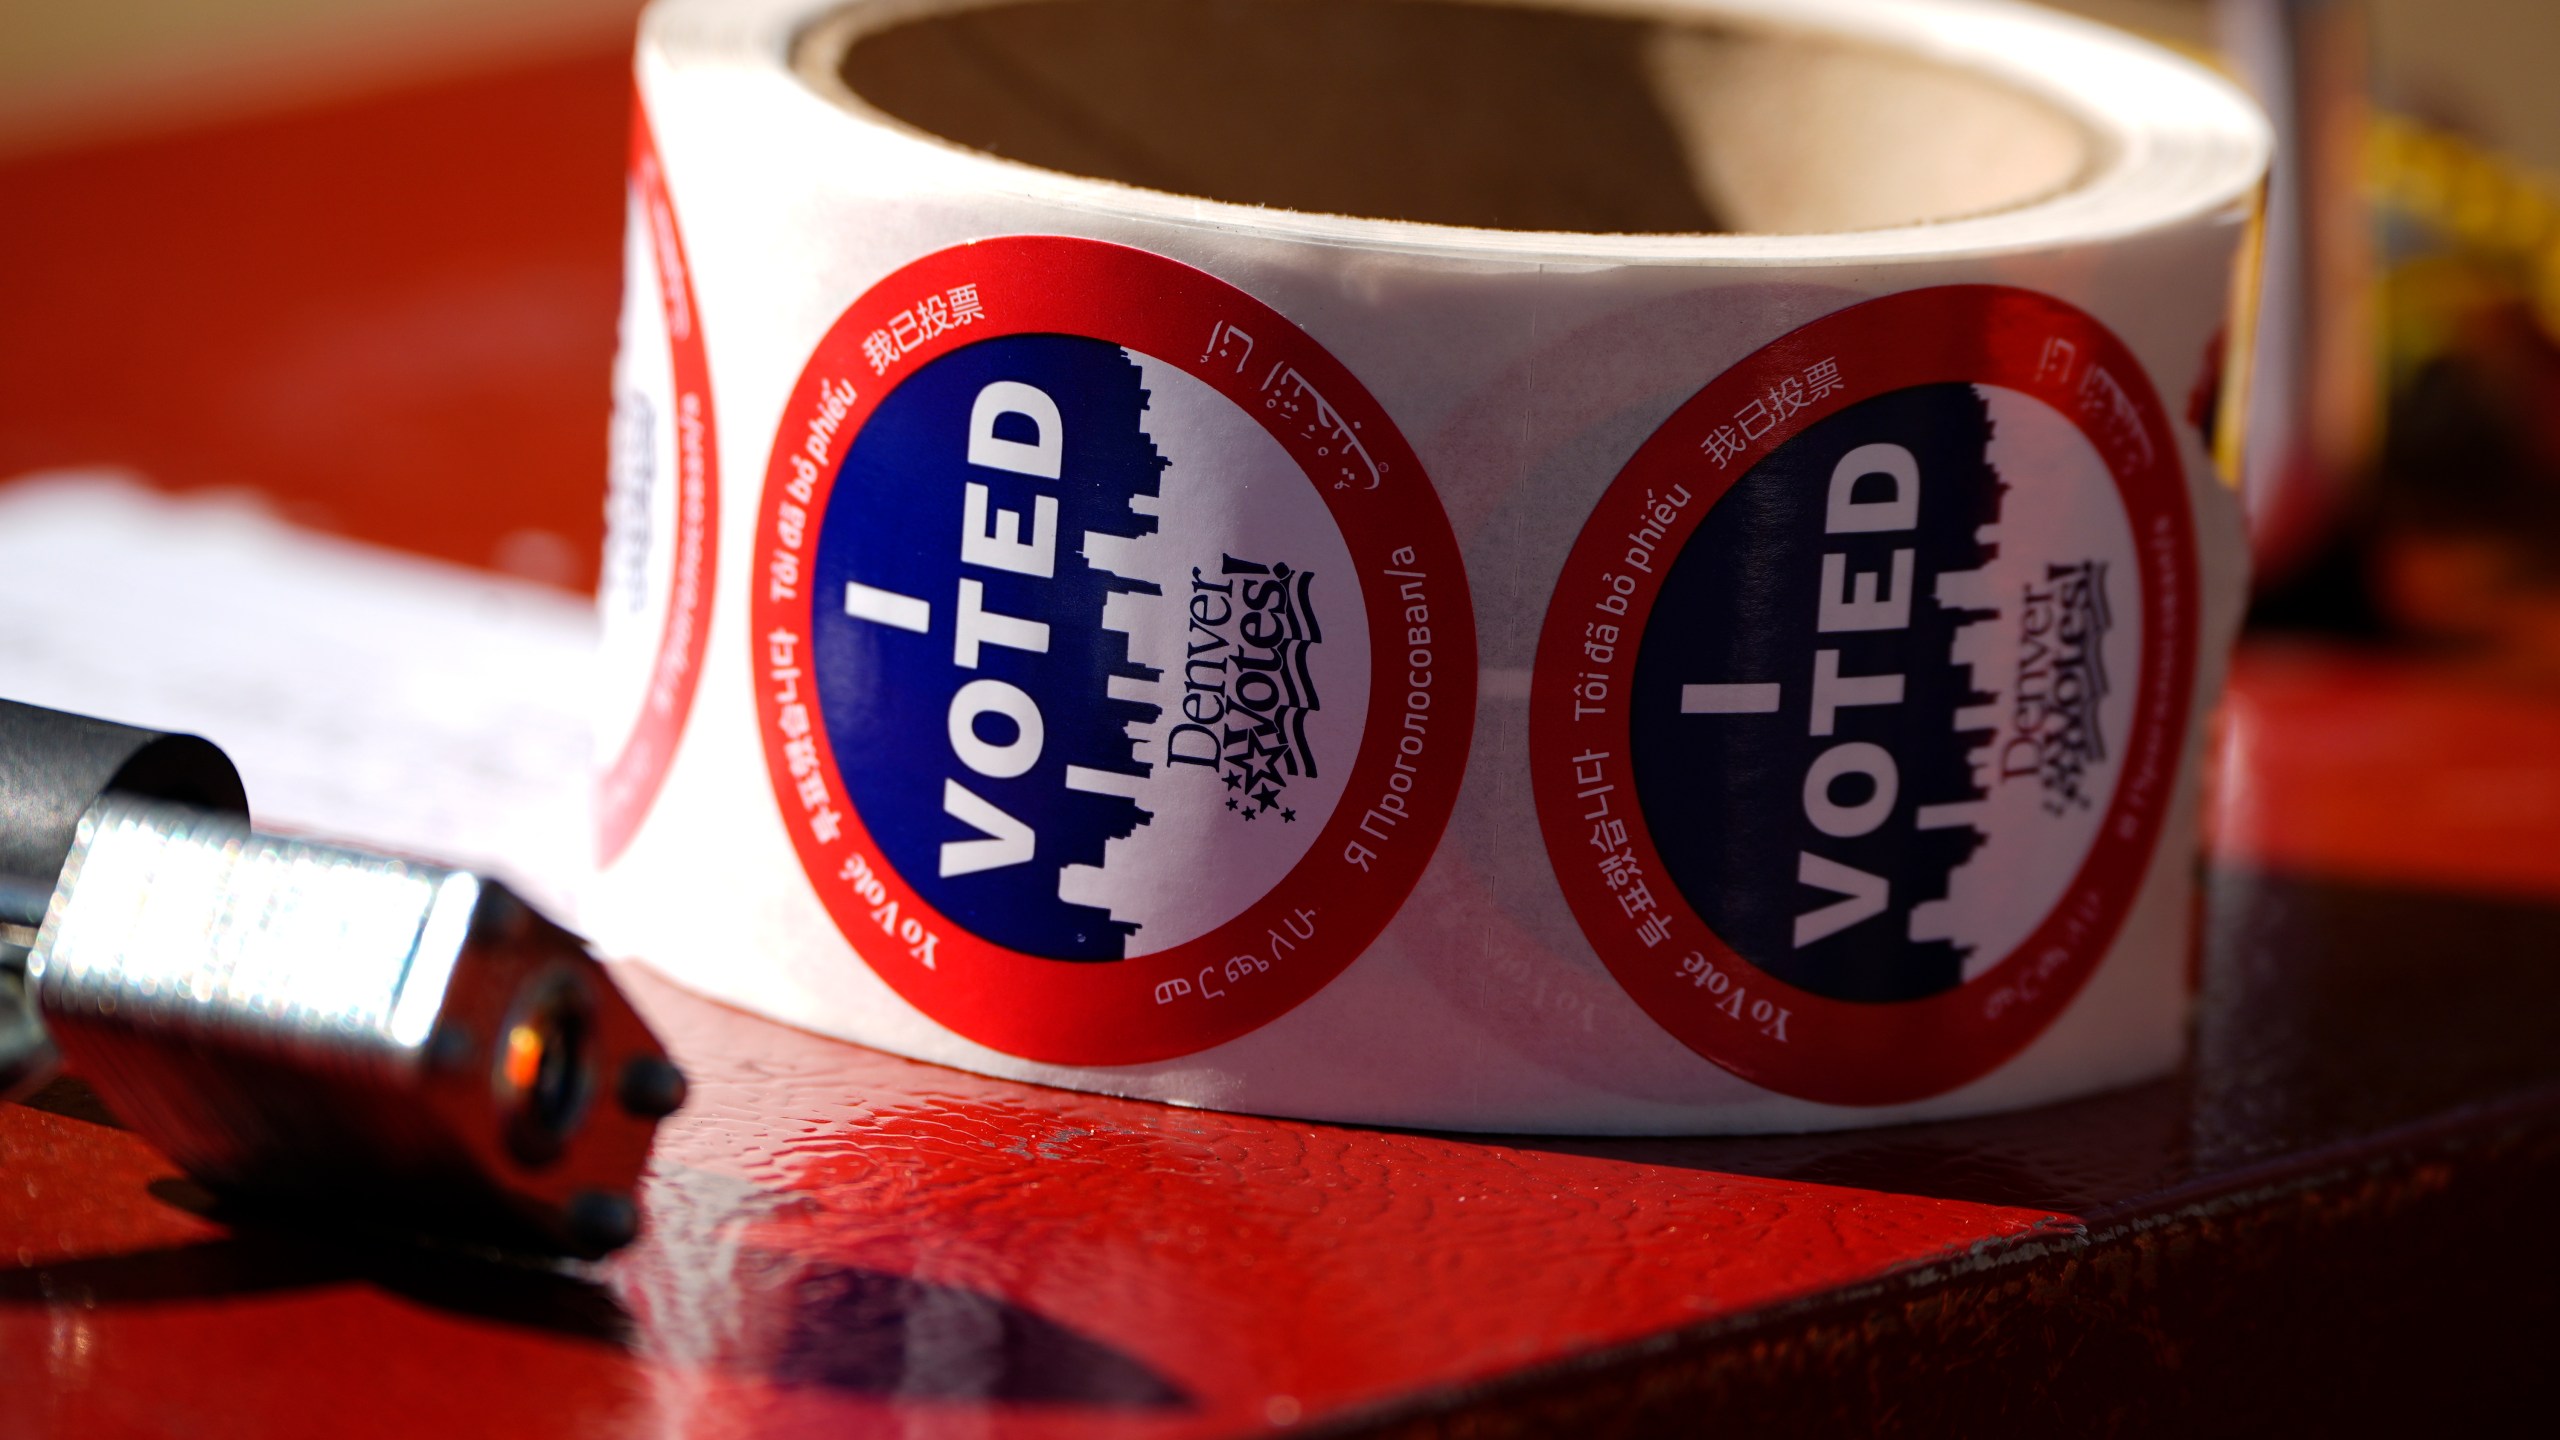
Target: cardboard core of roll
(1487,115)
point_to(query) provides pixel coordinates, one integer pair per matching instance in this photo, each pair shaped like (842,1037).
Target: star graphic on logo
(1231,804)
(1234,782)
(1288,814)
(1250,812)
(1268,798)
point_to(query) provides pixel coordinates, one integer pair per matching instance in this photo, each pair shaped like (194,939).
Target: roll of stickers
(1644,568)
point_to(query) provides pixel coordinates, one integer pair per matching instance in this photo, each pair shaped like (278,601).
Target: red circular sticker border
(1283,948)
(1758,1027)
(627,786)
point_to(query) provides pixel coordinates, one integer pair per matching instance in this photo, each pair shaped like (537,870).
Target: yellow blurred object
(2498,223)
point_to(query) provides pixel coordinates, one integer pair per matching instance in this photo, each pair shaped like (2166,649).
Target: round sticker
(1113,654)
(663,506)
(1857,707)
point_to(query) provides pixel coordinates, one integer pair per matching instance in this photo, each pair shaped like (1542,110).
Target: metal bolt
(295,1019)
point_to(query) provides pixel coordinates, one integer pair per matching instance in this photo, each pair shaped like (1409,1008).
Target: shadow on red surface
(842,1328)
(2352,1165)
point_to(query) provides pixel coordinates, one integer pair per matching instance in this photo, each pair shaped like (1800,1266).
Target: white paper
(366,695)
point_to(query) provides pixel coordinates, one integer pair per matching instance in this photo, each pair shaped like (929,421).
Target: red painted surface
(2389,767)
(397,316)
(1227,1265)
(842,1242)
(394,314)
(839,1239)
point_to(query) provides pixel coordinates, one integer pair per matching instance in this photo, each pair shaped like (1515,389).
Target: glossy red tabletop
(840,1242)
(397,315)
